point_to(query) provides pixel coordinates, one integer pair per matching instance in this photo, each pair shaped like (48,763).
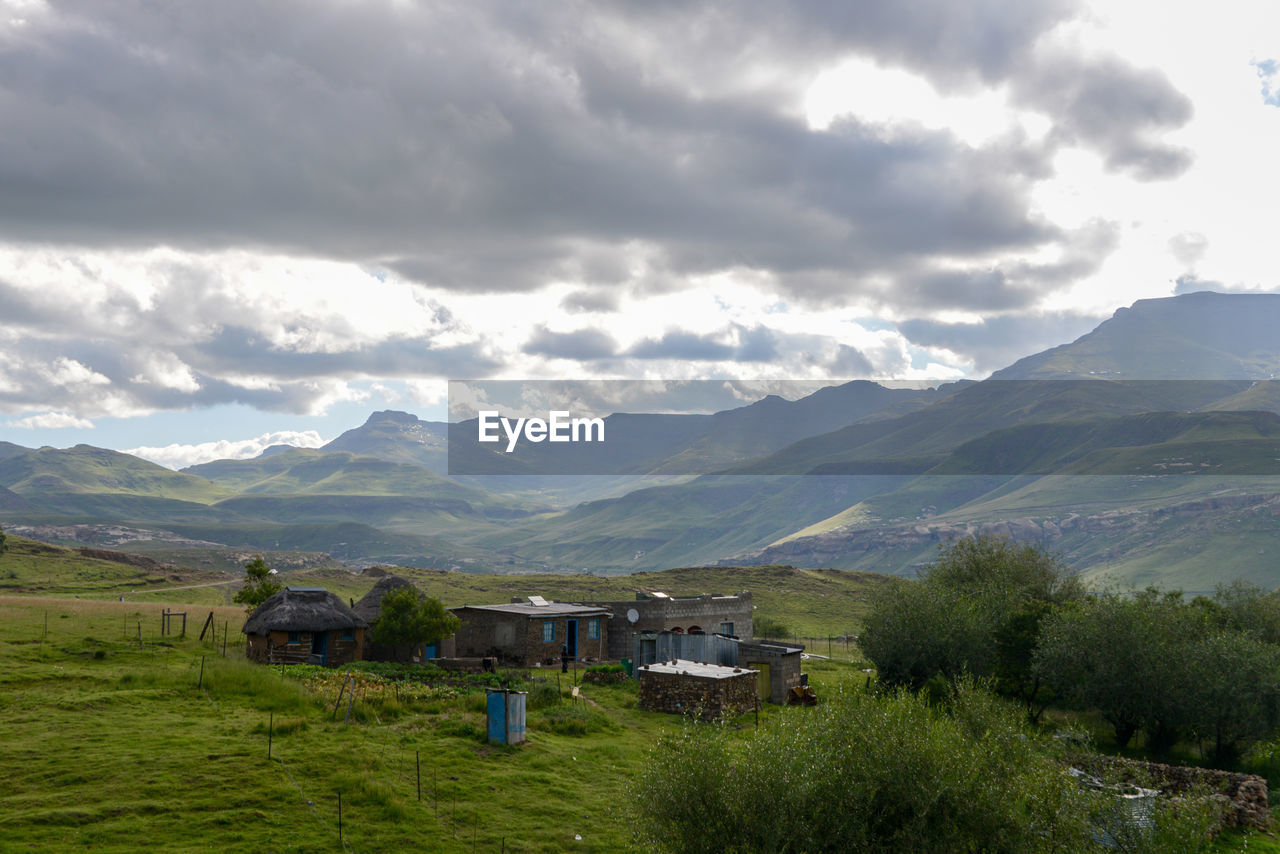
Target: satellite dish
(632,615)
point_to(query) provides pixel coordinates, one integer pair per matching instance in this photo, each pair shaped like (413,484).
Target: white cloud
(181,456)
(51,421)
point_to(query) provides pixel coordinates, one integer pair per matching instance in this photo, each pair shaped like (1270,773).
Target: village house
(657,612)
(369,609)
(533,631)
(305,625)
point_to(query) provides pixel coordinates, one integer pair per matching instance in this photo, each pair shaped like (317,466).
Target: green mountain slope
(87,470)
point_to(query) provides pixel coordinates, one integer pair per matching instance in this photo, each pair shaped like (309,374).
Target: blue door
(571,637)
(497,708)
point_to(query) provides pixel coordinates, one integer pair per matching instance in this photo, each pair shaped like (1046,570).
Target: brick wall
(709,698)
(784,668)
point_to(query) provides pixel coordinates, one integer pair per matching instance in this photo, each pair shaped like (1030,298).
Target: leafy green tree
(976,610)
(1234,692)
(259,584)
(410,618)
(1127,657)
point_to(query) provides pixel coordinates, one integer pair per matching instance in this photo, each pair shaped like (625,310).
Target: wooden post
(201,685)
(341,690)
(207,623)
(271,729)
(184,624)
(139,634)
(225,624)
(417,764)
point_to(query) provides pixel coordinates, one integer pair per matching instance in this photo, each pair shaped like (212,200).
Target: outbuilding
(707,691)
(305,625)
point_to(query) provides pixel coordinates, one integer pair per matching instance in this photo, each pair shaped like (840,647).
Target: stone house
(305,625)
(533,631)
(708,691)
(657,612)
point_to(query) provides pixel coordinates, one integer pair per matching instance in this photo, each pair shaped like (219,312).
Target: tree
(259,584)
(977,610)
(410,618)
(1,541)
(1127,657)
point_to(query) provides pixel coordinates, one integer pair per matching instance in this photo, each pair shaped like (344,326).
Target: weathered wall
(709,698)
(1246,793)
(705,613)
(784,667)
(276,649)
(517,638)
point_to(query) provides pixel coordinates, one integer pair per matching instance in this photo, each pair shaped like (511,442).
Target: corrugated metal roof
(695,668)
(551,609)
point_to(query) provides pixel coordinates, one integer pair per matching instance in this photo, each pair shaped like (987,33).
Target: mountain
(86,470)
(1198,336)
(398,437)
(680,444)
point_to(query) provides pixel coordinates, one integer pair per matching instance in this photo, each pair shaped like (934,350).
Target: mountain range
(1145,451)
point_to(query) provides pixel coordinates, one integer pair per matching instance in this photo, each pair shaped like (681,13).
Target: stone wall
(708,698)
(1246,793)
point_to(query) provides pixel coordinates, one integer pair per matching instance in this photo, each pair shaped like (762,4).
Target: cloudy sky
(229,224)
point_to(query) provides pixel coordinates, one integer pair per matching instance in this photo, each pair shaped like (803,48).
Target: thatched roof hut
(305,624)
(302,609)
(369,608)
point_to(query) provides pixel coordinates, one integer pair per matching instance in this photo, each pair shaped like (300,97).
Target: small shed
(305,625)
(779,667)
(708,691)
(533,631)
(369,608)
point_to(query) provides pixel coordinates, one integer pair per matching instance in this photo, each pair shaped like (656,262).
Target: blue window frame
(726,628)
(295,637)
(348,634)
(548,631)
(593,628)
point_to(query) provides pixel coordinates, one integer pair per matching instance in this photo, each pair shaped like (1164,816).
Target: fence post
(201,684)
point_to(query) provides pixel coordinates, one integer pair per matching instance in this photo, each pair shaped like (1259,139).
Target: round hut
(305,625)
(369,608)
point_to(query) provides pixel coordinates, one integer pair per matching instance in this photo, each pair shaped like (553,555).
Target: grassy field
(810,603)
(111,744)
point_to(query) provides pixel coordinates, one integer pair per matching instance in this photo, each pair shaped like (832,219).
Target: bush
(871,774)
(768,627)
(543,695)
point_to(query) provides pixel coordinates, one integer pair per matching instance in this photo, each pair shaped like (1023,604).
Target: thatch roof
(370,607)
(302,609)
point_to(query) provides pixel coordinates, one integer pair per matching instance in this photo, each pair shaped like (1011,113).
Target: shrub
(863,773)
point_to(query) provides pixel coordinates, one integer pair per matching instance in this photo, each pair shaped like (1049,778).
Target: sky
(229,225)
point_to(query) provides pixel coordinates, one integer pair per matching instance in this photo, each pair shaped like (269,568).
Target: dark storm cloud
(583,344)
(590,301)
(490,146)
(999,341)
(757,344)
(1110,106)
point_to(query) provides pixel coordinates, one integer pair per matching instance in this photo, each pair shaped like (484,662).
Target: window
(295,637)
(349,634)
(548,631)
(593,628)
(726,628)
